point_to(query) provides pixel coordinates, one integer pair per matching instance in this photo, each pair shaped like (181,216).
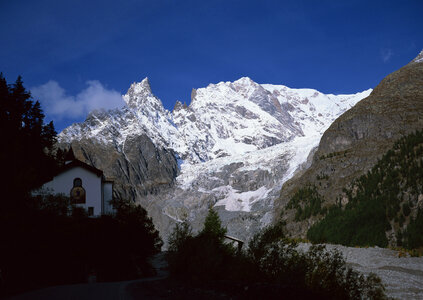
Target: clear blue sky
(75,51)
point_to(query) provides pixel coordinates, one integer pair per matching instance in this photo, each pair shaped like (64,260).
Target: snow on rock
(224,119)
(419,58)
(240,201)
(236,143)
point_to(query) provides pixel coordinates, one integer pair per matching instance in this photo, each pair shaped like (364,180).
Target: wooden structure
(238,241)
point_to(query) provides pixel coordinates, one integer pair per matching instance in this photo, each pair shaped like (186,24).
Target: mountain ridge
(357,139)
(231,148)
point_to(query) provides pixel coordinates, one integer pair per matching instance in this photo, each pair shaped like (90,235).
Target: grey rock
(358,138)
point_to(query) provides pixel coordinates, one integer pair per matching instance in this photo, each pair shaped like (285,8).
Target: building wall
(108,196)
(63,183)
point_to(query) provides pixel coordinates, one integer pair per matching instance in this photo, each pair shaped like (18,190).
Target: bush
(203,257)
(307,202)
(257,246)
(271,267)
(181,233)
(406,209)
(42,246)
(322,273)
(413,235)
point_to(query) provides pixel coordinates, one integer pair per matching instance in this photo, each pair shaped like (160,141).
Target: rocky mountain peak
(419,58)
(193,94)
(139,97)
(244,81)
(141,87)
(179,106)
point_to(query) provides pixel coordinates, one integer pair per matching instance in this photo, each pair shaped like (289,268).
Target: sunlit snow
(254,125)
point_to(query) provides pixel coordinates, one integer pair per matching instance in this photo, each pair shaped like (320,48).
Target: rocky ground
(402,276)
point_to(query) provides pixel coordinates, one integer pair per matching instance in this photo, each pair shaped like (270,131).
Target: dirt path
(403,278)
(104,290)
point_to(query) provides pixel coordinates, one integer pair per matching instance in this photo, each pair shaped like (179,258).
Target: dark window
(77,182)
(90,211)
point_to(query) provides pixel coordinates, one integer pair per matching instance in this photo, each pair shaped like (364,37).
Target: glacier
(235,145)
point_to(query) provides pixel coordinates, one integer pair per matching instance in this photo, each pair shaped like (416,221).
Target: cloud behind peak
(58,105)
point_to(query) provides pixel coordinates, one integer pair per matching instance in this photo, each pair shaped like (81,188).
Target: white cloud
(386,54)
(58,105)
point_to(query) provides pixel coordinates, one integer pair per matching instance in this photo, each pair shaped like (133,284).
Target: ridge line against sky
(90,52)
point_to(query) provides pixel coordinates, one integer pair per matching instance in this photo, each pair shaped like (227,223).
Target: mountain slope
(357,139)
(381,203)
(232,148)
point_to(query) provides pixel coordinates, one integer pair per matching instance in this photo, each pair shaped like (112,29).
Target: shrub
(307,202)
(406,209)
(271,267)
(413,235)
(42,246)
(257,246)
(322,273)
(203,257)
(181,233)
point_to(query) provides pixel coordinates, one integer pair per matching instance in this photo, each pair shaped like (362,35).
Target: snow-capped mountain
(234,145)
(223,119)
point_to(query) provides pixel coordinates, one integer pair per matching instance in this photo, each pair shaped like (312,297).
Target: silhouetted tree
(26,154)
(213,226)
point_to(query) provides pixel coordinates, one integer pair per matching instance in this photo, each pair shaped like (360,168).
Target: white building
(84,184)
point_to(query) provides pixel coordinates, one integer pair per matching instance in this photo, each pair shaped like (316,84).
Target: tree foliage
(43,244)
(201,257)
(45,240)
(213,225)
(307,203)
(272,266)
(26,154)
(413,235)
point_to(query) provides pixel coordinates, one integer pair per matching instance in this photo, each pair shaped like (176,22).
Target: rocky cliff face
(231,148)
(358,138)
(130,145)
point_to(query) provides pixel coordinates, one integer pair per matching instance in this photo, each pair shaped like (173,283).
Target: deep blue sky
(333,46)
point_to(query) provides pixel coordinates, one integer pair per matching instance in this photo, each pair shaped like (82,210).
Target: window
(77,182)
(90,211)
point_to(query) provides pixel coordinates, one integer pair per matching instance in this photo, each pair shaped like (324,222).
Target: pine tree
(26,154)
(213,226)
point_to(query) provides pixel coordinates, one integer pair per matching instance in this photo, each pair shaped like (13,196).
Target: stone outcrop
(140,168)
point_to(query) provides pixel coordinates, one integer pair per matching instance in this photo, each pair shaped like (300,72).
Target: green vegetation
(271,267)
(307,203)
(42,245)
(379,201)
(201,257)
(413,235)
(333,154)
(322,177)
(44,239)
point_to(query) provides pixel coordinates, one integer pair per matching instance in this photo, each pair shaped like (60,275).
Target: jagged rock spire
(139,96)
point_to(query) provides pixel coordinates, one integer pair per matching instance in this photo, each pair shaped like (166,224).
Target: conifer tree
(26,154)
(213,225)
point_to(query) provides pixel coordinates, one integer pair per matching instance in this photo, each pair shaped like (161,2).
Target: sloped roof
(78,163)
